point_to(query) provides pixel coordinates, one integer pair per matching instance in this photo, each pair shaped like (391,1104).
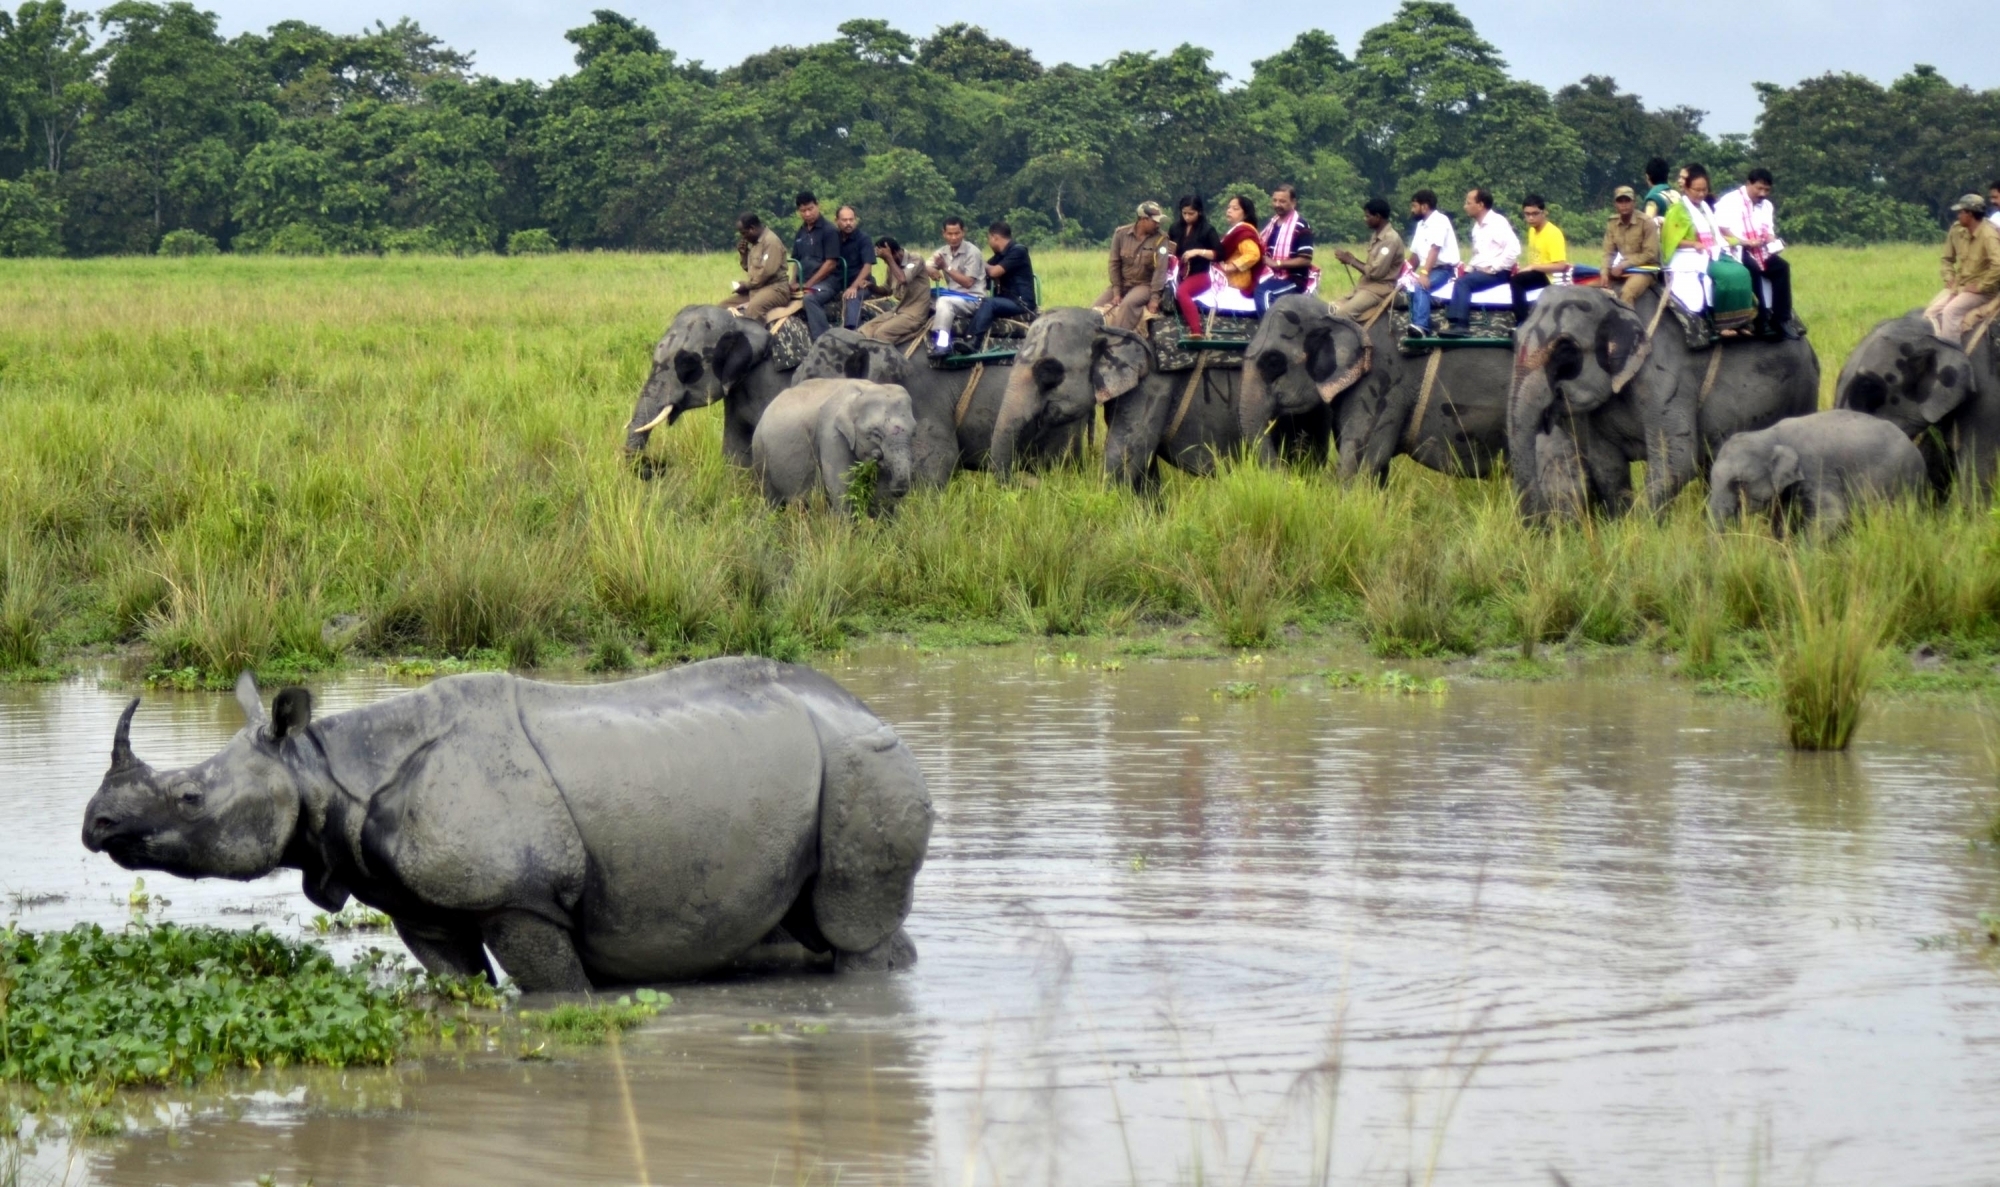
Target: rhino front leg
(539,955)
(447,950)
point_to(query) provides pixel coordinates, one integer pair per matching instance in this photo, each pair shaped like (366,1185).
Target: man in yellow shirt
(1544,258)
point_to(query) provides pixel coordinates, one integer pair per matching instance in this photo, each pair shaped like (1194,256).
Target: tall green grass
(224,460)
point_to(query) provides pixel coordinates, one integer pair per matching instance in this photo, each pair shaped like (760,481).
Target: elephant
(1594,383)
(1071,363)
(1933,391)
(1305,357)
(947,439)
(709,354)
(586,835)
(815,433)
(1812,468)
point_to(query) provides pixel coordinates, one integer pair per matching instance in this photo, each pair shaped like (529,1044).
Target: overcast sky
(1551,42)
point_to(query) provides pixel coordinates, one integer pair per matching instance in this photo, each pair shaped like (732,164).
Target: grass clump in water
(1827,657)
(163,1004)
(591,1023)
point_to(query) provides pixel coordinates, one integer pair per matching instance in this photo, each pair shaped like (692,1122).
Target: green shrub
(1850,217)
(1827,658)
(532,242)
(30,218)
(187,242)
(295,239)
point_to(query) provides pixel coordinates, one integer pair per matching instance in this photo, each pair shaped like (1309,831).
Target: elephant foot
(891,955)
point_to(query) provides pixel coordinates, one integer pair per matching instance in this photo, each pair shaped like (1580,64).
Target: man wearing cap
(1631,240)
(1971,269)
(1138,269)
(1379,272)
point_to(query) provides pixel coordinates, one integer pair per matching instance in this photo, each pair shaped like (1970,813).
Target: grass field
(218,463)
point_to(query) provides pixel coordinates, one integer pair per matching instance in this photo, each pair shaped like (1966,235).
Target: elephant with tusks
(1599,385)
(1447,411)
(1934,392)
(584,835)
(709,355)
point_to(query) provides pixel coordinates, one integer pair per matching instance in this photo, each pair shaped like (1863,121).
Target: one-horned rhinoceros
(646,830)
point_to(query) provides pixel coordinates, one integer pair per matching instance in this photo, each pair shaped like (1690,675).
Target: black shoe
(1790,334)
(1455,332)
(938,352)
(1417,332)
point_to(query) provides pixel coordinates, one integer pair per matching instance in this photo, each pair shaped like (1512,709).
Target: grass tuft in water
(1827,657)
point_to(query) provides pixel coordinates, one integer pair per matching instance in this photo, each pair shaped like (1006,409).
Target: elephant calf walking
(1812,468)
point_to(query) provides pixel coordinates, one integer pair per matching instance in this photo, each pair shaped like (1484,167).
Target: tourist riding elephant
(947,438)
(585,835)
(1812,469)
(1593,392)
(709,354)
(1933,391)
(815,433)
(1305,357)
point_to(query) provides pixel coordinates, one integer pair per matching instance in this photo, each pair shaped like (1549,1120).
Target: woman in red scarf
(1240,263)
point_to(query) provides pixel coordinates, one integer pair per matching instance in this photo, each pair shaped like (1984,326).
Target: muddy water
(1173,931)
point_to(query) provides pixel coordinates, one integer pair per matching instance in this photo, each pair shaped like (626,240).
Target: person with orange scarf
(1240,263)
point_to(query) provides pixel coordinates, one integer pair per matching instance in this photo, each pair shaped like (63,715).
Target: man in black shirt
(817,249)
(857,255)
(1288,241)
(1013,281)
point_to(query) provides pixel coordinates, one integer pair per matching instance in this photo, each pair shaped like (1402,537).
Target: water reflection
(1604,927)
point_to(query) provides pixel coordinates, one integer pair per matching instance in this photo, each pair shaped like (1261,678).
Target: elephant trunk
(1017,408)
(1256,409)
(1527,412)
(659,403)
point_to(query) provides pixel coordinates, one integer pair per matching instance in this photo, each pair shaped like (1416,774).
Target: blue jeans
(1420,301)
(991,308)
(1270,289)
(816,299)
(1468,284)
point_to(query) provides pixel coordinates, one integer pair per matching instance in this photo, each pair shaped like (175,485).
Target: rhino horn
(121,742)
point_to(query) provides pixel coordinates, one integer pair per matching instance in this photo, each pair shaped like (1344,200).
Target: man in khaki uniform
(1379,272)
(910,284)
(1138,269)
(764,286)
(1631,240)
(1971,269)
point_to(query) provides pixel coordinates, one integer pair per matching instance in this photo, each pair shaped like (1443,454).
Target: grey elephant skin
(1591,395)
(1305,357)
(815,433)
(947,440)
(1071,364)
(709,355)
(1932,391)
(1811,470)
(648,830)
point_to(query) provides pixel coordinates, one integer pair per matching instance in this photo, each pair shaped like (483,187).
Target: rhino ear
(290,713)
(247,698)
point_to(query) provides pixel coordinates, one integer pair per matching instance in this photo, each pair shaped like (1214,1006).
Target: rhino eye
(189,797)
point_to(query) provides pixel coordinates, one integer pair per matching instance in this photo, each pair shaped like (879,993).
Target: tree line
(140,128)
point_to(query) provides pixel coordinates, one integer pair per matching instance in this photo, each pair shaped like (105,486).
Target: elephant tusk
(654,423)
(1346,379)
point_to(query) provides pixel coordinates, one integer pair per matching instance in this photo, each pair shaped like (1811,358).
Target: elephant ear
(1945,382)
(1621,345)
(1785,472)
(739,349)
(1122,359)
(1325,347)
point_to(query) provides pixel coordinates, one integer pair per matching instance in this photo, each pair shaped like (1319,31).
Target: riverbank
(292,465)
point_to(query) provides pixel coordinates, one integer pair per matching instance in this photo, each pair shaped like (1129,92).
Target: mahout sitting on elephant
(1934,392)
(815,433)
(586,835)
(1595,390)
(1811,470)
(710,354)
(1447,411)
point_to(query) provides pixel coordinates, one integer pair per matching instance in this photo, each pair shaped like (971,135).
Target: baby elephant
(1813,467)
(814,434)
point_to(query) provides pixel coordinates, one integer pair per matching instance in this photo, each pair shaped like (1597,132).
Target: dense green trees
(120,127)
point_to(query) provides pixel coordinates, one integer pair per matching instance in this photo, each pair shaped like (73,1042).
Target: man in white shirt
(1495,251)
(962,270)
(1433,257)
(1750,225)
